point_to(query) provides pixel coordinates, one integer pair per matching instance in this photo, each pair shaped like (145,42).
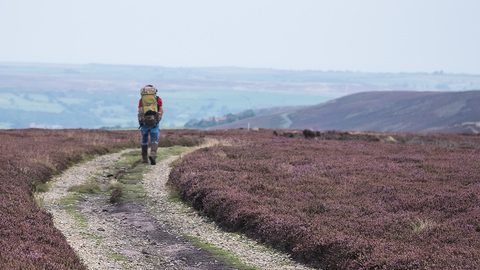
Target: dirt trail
(79,235)
(152,232)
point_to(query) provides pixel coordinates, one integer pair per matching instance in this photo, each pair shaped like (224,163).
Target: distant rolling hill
(399,111)
(96,95)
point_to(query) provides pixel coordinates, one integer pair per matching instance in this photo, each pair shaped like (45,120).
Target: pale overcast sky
(363,35)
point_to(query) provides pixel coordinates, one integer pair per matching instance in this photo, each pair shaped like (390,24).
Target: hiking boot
(144,153)
(153,154)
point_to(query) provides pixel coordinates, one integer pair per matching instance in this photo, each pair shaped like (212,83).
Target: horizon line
(433,72)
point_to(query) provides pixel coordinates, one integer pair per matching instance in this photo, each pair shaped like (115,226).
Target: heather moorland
(345,201)
(335,200)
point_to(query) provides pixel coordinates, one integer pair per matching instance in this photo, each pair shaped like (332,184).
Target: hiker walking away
(150,112)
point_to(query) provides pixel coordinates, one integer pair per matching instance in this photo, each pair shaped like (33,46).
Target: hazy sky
(364,35)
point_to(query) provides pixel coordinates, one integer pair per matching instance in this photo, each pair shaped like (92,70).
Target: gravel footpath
(82,239)
(148,234)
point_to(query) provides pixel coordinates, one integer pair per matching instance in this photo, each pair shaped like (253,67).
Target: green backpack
(150,105)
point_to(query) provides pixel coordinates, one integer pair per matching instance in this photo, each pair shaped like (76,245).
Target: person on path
(150,112)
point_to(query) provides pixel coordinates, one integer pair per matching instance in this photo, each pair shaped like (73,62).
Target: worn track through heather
(149,234)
